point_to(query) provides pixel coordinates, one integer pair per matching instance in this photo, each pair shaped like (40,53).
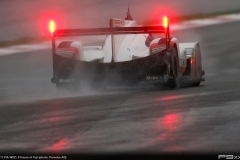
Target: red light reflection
(170,123)
(167,98)
(57,118)
(54,119)
(60,145)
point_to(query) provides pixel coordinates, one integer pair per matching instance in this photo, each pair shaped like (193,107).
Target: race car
(124,54)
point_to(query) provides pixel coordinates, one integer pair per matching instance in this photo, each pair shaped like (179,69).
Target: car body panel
(129,53)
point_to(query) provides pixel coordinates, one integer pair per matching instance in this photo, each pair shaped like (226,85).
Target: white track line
(23,48)
(184,25)
(206,21)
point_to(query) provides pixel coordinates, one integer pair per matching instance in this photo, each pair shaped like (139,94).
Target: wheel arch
(75,47)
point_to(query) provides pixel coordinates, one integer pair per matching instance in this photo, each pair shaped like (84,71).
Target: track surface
(36,118)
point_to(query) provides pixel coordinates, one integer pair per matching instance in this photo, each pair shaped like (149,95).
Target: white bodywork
(163,64)
(126,47)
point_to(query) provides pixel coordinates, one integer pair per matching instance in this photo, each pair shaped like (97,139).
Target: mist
(30,18)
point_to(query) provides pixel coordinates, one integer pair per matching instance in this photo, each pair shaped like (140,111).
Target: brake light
(165,22)
(52,26)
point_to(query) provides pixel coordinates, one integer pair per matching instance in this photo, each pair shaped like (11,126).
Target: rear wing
(109,31)
(113,31)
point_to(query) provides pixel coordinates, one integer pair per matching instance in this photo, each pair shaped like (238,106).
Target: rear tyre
(197,66)
(174,81)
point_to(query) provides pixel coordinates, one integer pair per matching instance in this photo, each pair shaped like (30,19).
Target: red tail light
(52,26)
(165,22)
